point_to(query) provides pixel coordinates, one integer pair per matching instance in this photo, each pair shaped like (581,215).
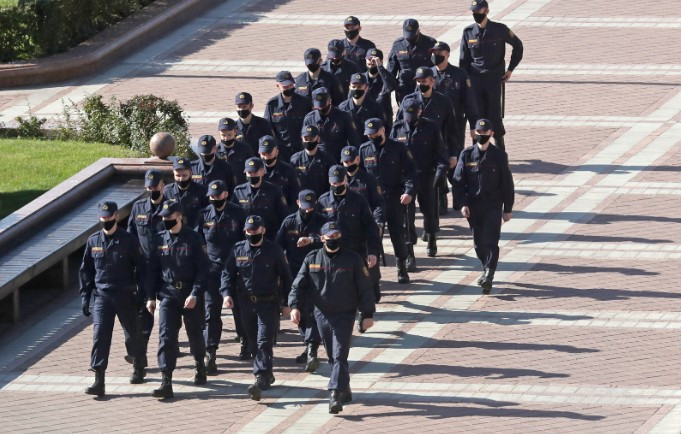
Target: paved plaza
(582,331)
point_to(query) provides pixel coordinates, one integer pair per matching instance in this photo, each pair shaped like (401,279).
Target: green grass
(8,3)
(34,166)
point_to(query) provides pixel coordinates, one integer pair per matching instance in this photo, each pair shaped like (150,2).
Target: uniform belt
(262,298)
(180,285)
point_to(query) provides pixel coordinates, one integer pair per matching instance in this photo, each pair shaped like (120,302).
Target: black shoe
(97,387)
(482,275)
(346,396)
(260,384)
(487,281)
(402,276)
(411,264)
(424,237)
(431,250)
(128,358)
(245,353)
(237,338)
(270,379)
(303,357)
(211,363)
(138,373)
(312,360)
(335,404)
(200,372)
(165,391)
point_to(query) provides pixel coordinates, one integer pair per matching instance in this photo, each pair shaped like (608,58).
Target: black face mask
(313,68)
(254,180)
(338,190)
(351,34)
(254,238)
(288,92)
(169,224)
(219,203)
(337,62)
(310,145)
(352,168)
(333,244)
(227,143)
(378,140)
(479,18)
(412,121)
(326,110)
(437,59)
(358,93)
(184,184)
(243,114)
(304,214)
(208,158)
(270,161)
(482,138)
(413,39)
(155,195)
(107,225)
(373,69)
(424,88)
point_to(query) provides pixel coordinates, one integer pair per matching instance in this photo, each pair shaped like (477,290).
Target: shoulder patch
(97,249)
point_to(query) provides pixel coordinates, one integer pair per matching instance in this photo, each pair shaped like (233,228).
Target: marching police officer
(299,234)
(184,190)
(316,77)
(407,54)
(285,112)
(258,276)
(356,47)
(220,226)
(235,152)
(337,282)
(483,186)
(336,128)
(250,128)
(483,51)
(278,172)
(381,84)
(360,105)
(393,166)
(339,66)
(312,163)
(259,197)
(178,272)
(209,168)
(111,259)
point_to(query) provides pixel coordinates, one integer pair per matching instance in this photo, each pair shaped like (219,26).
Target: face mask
(254,238)
(169,224)
(437,59)
(313,68)
(338,190)
(270,161)
(305,214)
(337,62)
(373,70)
(424,88)
(351,34)
(208,158)
(413,40)
(326,110)
(479,18)
(107,225)
(254,180)
(412,120)
(333,244)
(243,113)
(377,140)
(184,184)
(358,93)
(310,145)
(288,92)
(219,203)
(352,168)
(155,195)
(482,138)
(227,143)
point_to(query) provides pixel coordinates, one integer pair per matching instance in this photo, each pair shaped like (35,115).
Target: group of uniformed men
(285,215)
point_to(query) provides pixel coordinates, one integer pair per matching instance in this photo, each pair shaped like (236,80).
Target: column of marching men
(285,214)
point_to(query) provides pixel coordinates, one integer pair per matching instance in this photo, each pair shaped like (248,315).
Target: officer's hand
(506,76)
(303,241)
(85,307)
(372,260)
(405,199)
(376,61)
(465,211)
(228,303)
(285,310)
(151,306)
(295,316)
(507,216)
(190,302)
(367,323)
(452,162)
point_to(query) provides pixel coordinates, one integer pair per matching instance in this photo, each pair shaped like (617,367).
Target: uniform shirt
(251,133)
(110,262)
(336,131)
(192,200)
(405,59)
(313,170)
(284,176)
(294,227)
(305,85)
(268,202)
(236,155)
(364,183)
(483,51)
(334,283)
(343,73)
(455,83)
(360,114)
(425,143)
(181,266)
(204,174)
(287,120)
(352,213)
(483,176)
(220,230)
(392,165)
(380,89)
(145,224)
(358,52)
(261,271)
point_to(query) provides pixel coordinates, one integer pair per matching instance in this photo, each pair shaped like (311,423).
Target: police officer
(111,259)
(209,168)
(336,128)
(380,84)
(483,186)
(257,274)
(483,51)
(285,112)
(259,197)
(191,195)
(250,128)
(235,152)
(393,166)
(337,282)
(299,234)
(312,164)
(407,54)
(279,172)
(339,66)
(360,105)
(316,77)
(220,226)
(356,47)
(178,272)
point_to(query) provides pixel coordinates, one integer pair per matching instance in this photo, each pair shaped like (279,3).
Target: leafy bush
(31,128)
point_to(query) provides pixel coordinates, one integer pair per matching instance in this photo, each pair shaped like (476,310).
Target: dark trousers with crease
(259,321)
(109,305)
(485,222)
(426,195)
(171,315)
(336,332)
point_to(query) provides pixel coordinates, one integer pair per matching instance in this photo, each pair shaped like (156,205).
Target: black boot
(200,372)
(211,363)
(482,275)
(424,237)
(499,141)
(431,250)
(335,404)
(165,391)
(411,259)
(303,357)
(487,281)
(97,387)
(346,396)
(402,276)
(245,353)
(138,372)
(312,360)
(255,390)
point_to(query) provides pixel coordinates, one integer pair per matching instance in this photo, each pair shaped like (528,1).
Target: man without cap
(381,84)
(235,152)
(336,281)
(336,128)
(258,276)
(220,226)
(178,279)
(312,163)
(356,47)
(338,65)
(483,186)
(298,235)
(113,268)
(316,77)
(191,195)
(250,128)
(278,171)
(360,106)
(209,168)
(483,51)
(395,170)
(407,54)
(285,112)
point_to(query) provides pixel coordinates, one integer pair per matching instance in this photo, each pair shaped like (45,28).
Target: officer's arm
(267,114)
(229,179)
(228,276)
(409,172)
(132,225)
(441,154)
(154,275)
(86,274)
(199,226)
(365,290)
(300,285)
(284,272)
(507,187)
(141,268)
(371,232)
(281,207)
(280,238)
(351,134)
(336,90)
(377,202)
(470,104)
(293,190)
(393,64)
(267,126)
(450,126)
(459,182)
(465,58)
(389,80)
(201,264)
(517,54)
